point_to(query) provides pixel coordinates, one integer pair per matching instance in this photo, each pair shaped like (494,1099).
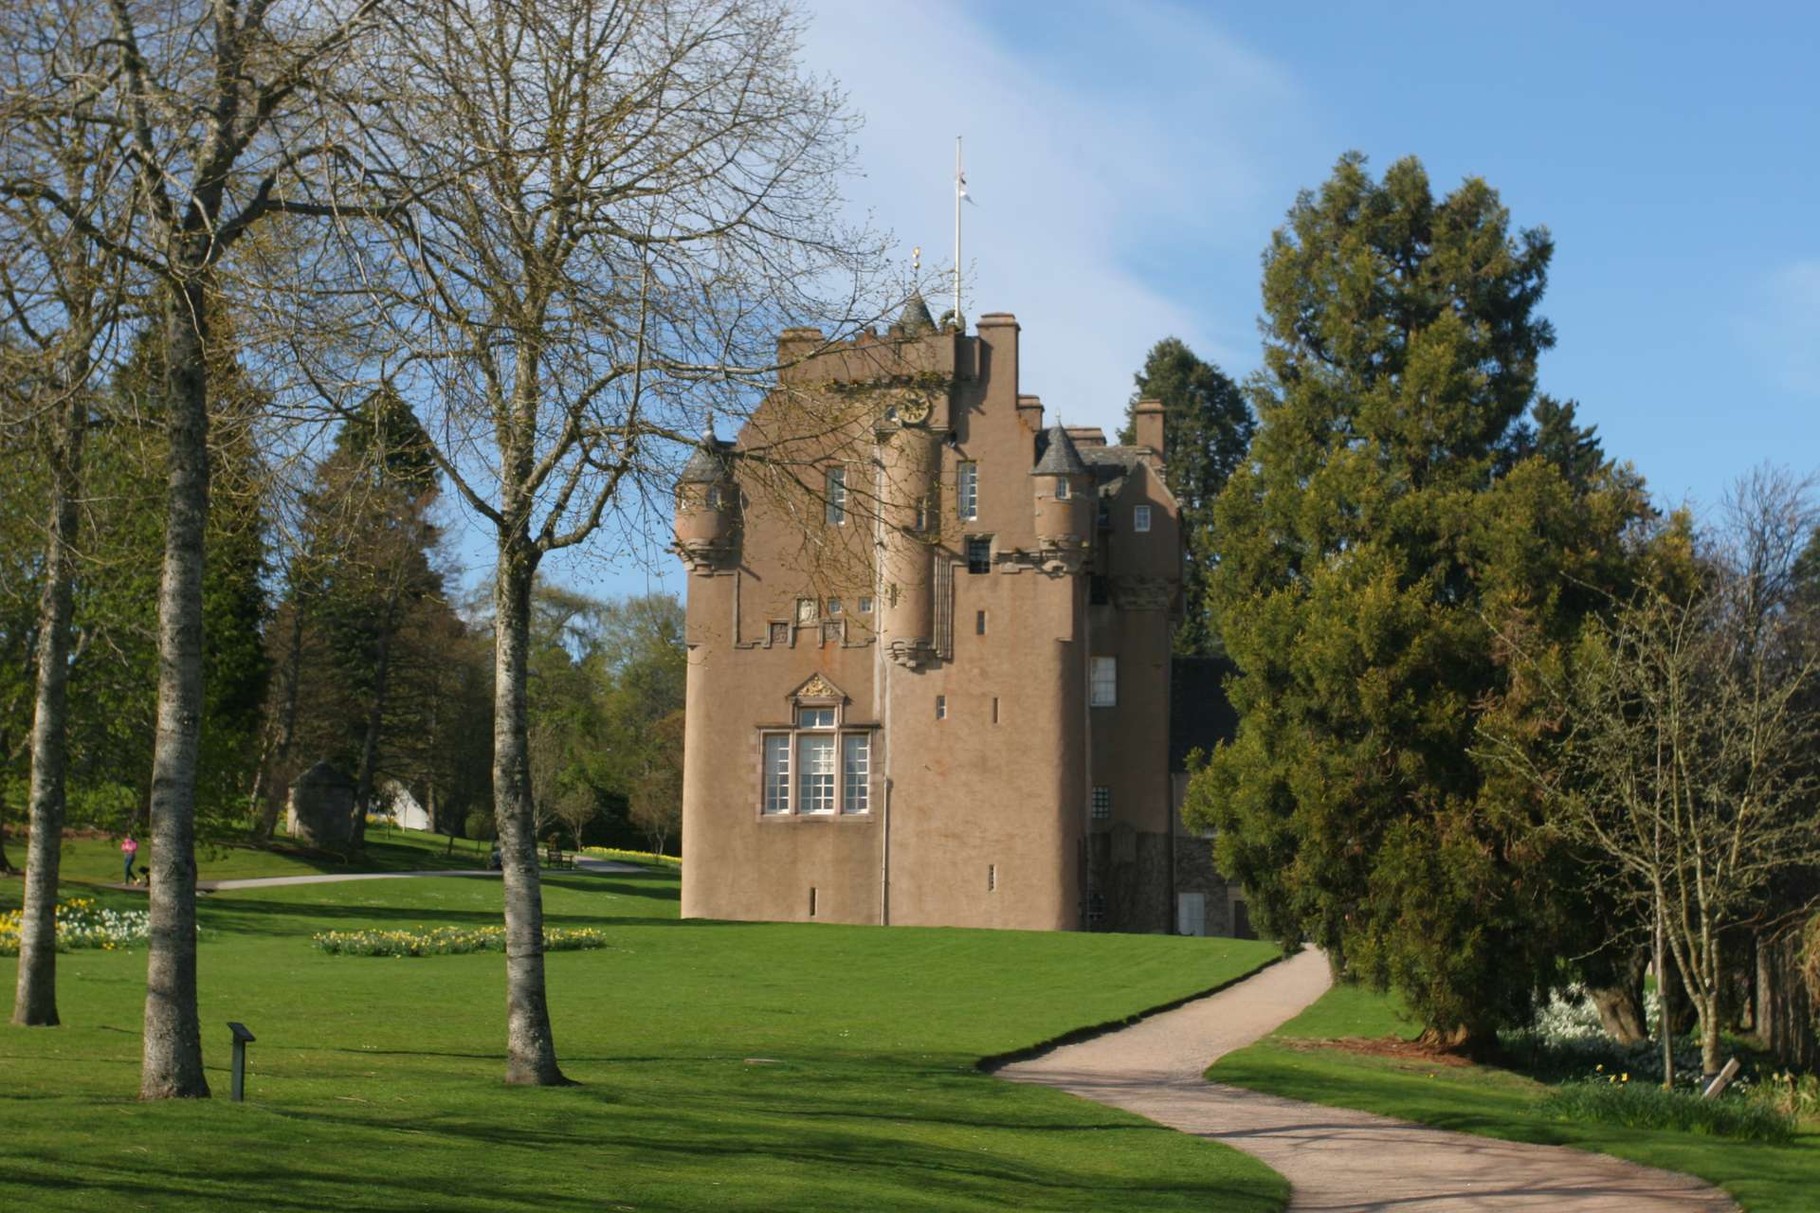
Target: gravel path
(1335,1158)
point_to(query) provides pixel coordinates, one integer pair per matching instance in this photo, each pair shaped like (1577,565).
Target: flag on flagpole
(960,187)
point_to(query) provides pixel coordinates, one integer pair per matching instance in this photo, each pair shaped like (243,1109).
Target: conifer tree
(1385,529)
(1207,428)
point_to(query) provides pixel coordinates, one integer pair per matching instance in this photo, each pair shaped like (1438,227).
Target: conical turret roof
(914,320)
(708,464)
(1058,456)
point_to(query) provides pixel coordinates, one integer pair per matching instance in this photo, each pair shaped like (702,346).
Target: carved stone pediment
(818,690)
(1143,593)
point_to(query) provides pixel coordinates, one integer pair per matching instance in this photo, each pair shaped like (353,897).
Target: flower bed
(447,941)
(82,924)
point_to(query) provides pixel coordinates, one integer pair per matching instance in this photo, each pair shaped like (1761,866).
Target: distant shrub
(1613,1100)
(447,941)
(480,825)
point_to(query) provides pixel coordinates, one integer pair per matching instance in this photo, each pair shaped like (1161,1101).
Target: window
(834,606)
(856,772)
(865,606)
(979,555)
(979,623)
(777,772)
(1061,488)
(1104,688)
(992,878)
(780,633)
(1140,518)
(805,611)
(817,769)
(967,491)
(836,497)
(995,709)
(1102,804)
(717,497)
(815,773)
(941,707)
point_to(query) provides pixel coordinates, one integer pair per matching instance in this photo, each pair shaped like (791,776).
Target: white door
(1190,914)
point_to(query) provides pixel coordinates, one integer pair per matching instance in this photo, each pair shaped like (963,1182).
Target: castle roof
(1110,465)
(1056,455)
(708,464)
(914,320)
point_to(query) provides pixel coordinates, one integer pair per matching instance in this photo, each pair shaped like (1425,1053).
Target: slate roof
(1111,464)
(1200,715)
(914,320)
(1056,455)
(708,464)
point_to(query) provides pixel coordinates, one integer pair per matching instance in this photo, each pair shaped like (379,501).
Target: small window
(812,901)
(979,623)
(992,878)
(1098,591)
(979,555)
(922,514)
(805,611)
(1140,518)
(777,773)
(1061,488)
(836,498)
(1104,689)
(941,707)
(865,606)
(717,497)
(815,718)
(967,491)
(834,606)
(1102,803)
(995,709)
(856,773)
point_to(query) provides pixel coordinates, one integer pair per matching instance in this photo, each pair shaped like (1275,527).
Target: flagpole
(959,192)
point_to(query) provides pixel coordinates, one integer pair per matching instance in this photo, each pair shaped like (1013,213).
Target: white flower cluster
(83,924)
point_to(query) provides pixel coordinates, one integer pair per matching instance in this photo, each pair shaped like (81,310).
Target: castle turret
(910,456)
(707,507)
(1062,486)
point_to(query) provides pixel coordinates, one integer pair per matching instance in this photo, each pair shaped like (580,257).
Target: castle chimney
(1147,426)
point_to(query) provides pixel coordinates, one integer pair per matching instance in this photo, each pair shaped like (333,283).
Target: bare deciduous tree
(1685,762)
(613,208)
(213,104)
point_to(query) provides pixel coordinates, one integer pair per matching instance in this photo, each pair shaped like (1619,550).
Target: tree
(1685,763)
(1382,522)
(656,804)
(59,300)
(1207,428)
(603,212)
(216,105)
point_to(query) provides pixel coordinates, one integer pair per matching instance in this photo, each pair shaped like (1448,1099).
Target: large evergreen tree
(1207,428)
(1394,520)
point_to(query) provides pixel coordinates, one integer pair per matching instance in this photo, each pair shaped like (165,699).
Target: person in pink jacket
(129,850)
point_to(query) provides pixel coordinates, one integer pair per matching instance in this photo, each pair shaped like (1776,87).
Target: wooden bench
(554,858)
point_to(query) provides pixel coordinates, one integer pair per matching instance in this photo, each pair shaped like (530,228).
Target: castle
(929,651)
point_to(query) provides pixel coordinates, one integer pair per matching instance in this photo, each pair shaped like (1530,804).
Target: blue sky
(1130,160)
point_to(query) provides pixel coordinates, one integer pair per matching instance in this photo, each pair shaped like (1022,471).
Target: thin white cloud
(1103,157)
(1784,333)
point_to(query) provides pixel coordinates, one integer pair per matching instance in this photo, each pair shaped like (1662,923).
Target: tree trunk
(369,747)
(1663,1028)
(35,996)
(287,725)
(172,1065)
(530,1045)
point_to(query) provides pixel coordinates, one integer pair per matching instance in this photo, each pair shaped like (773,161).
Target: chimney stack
(1147,426)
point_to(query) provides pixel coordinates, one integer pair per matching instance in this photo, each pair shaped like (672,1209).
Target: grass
(1299,1062)
(725,1066)
(97,861)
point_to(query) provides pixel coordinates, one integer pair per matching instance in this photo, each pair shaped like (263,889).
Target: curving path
(583,863)
(1335,1158)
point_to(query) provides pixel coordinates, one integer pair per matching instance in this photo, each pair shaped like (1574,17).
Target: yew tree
(1396,511)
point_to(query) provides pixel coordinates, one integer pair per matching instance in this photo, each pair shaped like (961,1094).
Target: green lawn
(723,1066)
(97,860)
(1294,1062)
